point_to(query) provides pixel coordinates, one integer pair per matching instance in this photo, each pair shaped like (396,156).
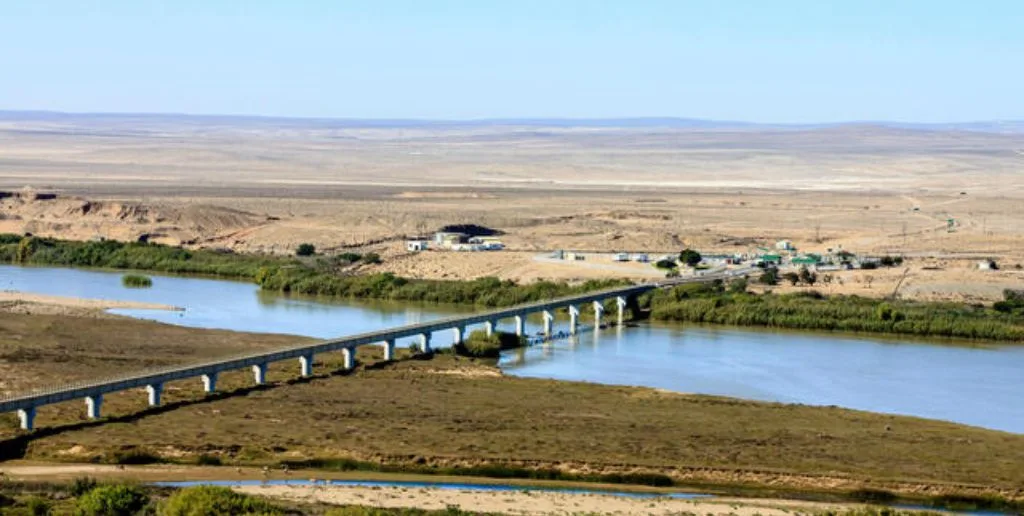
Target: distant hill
(993,126)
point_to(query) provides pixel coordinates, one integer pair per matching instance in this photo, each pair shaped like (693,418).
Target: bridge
(153,380)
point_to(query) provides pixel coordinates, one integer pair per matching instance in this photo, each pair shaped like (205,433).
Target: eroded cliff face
(47,214)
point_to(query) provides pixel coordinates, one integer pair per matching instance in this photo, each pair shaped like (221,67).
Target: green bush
(479,344)
(814,311)
(214,501)
(38,506)
(112,500)
(81,485)
(136,281)
(371,258)
(690,257)
(305,250)
(666,264)
(206,459)
(349,257)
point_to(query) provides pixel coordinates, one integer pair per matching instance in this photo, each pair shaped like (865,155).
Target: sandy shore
(530,502)
(24,302)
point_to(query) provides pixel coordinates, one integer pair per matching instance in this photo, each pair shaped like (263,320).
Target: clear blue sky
(757,60)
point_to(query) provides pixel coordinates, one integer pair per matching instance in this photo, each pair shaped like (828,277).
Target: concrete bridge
(92,391)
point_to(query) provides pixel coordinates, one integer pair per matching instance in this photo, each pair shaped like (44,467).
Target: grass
(813,311)
(405,416)
(136,281)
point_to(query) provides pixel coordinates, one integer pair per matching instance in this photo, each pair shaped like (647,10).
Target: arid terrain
(267,185)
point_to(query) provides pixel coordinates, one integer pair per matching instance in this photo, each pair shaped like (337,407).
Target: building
(770,259)
(446,239)
(415,246)
(621,257)
(806,261)
(641,258)
(784,245)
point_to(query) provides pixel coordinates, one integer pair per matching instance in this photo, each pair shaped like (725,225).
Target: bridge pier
(425,343)
(489,327)
(620,303)
(306,366)
(549,319)
(520,325)
(389,349)
(259,373)
(27,416)
(598,312)
(210,382)
(348,356)
(460,334)
(154,390)
(574,319)
(93,404)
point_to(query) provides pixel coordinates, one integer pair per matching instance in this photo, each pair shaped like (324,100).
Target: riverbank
(456,416)
(720,304)
(41,304)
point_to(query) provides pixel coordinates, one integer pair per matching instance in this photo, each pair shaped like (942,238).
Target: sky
(751,60)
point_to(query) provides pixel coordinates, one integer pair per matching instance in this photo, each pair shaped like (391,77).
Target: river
(976,385)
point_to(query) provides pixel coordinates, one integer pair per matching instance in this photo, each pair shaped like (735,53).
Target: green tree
(305,250)
(112,500)
(26,248)
(792,277)
(690,257)
(738,286)
(807,276)
(770,276)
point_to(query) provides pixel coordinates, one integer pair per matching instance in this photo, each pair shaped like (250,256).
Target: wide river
(976,385)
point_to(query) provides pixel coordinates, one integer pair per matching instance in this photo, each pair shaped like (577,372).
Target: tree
(665,264)
(769,277)
(807,276)
(305,250)
(792,277)
(738,286)
(690,257)
(112,500)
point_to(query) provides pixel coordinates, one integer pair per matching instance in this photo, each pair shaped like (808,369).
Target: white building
(415,246)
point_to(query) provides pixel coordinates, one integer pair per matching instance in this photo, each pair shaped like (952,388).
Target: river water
(976,385)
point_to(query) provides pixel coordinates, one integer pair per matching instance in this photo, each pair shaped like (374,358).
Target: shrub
(808,277)
(136,281)
(666,264)
(349,257)
(479,344)
(690,257)
(769,277)
(206,459)
(81,485)
(792,277)
(112,500)
(305,250)
(371,258)
(214,501)
(38,506)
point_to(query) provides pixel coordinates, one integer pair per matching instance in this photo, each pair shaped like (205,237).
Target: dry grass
(407,413)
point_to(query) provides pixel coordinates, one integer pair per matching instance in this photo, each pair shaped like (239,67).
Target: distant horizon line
(616,121)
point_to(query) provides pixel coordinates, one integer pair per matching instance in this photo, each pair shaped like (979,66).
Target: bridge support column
(306,366)
(93,404)
(425,343)
(520,325)
(598,312)
(155,391)
(574,319)
(549,319)
(389,349)
(27,416)
(259,373)
(460,334)
(620,304)
(348,356)
(210,382)
(489,327)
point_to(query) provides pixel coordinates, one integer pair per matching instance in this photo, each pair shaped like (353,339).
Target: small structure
(771,259)
(987,265)
(807,260)
(621,257)
(446,239)
(784,245)
(558,254)
(415,246)
(641,258)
